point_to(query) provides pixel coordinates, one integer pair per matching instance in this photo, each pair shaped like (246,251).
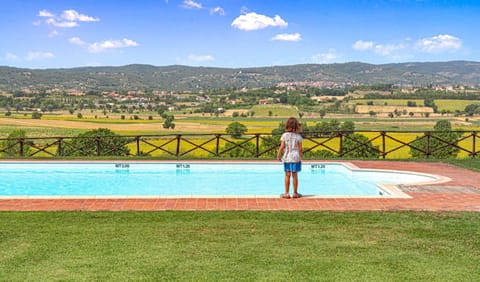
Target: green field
(442,104)
(276,110)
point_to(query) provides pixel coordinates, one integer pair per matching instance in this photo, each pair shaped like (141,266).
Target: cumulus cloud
(67,19)
(102,46)
(66,24)
(45,13)
(98,47)
(72,15)
(217,10)
(288,37)
(190,4)
(200,58)
(325,58)
(408,48)
(253,21)
(439,43)
(77,41)
(361,45)
(38,55)
(389,50)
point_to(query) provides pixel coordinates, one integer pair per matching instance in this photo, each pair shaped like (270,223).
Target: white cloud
(253,21)
(389,50)
(77,41)
(53,33)
(38,55)
(68,18)
(190,4)
(217,10)
(288,37)
(200,58)
(72,16)
(325,58)
(45,13)
(67,24)
(361,45)
(98,47)
(439,43)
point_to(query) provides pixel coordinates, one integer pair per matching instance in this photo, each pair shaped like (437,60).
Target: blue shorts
(293,167)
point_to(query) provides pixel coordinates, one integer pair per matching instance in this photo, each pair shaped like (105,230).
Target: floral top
(291,152)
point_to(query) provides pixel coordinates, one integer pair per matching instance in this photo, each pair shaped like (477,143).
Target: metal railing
(335,144)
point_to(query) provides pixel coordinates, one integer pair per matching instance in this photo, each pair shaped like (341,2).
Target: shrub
(358,146)
(438,148)
(12,146)
(236,129)
(245,150)
(110,144)
(36,115)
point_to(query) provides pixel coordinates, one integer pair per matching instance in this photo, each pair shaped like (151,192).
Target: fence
(334,144)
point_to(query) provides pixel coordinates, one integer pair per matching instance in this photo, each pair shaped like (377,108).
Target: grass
(240,246)
(469,163)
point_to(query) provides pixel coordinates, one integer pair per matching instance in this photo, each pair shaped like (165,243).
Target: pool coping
(447,200)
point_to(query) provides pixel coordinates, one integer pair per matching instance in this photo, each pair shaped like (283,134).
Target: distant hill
(185,78)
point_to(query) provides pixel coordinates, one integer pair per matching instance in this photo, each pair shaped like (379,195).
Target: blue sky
(235,33)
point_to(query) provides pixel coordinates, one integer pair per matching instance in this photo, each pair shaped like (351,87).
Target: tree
(97,142)
(472,109)
(358,146)
(322,113)
(168,123)
(239,150)
(36,115)
(236,129)
(438,145)
(12,145)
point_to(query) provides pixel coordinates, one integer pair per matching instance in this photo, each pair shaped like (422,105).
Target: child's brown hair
(293,125)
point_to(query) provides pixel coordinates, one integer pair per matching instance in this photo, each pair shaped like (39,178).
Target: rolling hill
(186,78)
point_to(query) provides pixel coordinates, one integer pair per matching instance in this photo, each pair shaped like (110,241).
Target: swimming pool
(195,179)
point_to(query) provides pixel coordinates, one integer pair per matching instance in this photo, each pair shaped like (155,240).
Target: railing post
(137,140)
(97,140)
(427,144)
(383,144)
(217,148)
(341,144)
(21,141)
(257,149)
(179,138)
(474,146)
(59,148)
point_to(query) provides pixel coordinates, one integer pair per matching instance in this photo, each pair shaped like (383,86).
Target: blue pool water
(189,179)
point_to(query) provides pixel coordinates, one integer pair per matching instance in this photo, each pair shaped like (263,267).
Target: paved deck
(462,193)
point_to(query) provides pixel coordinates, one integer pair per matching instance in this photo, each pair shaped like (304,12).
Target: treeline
(427,93)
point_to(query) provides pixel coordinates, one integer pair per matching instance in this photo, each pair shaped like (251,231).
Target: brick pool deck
(462,193)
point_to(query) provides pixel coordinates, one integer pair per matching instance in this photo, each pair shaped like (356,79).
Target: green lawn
(239,246)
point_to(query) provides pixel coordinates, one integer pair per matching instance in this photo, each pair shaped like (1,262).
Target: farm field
(442,104)
(204,126)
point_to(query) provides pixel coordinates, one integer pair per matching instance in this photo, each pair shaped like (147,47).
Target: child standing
(291,146)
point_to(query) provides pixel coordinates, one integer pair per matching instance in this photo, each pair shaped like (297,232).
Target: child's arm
(280,150)
(300,151)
